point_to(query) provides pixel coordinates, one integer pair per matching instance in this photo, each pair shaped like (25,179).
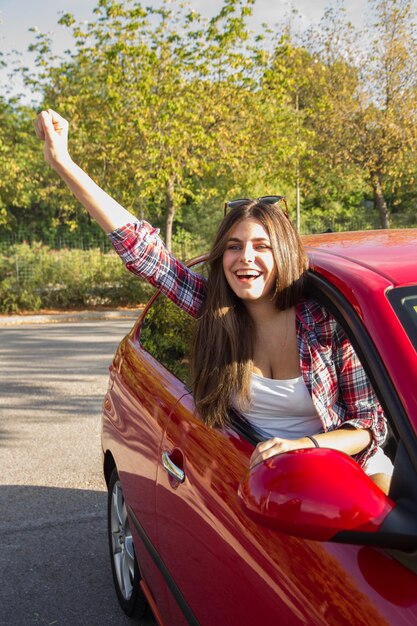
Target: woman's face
(248,262)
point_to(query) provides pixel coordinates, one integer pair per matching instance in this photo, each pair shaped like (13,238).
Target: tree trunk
(170,211)
(379,199)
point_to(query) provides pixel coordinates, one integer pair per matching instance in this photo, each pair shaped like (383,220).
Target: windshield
(404,301)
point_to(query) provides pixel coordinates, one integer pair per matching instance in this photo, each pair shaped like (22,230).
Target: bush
(34,276)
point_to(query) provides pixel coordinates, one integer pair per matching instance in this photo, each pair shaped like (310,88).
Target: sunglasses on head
(234,204)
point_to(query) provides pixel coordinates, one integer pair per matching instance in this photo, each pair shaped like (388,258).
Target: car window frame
(194,263)
(322,290)
(396,297)
(160,297)
(330,297)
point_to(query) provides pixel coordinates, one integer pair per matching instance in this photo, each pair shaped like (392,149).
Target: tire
(124,566)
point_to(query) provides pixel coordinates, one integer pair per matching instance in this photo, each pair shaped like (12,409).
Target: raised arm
(53,130)
(135,241)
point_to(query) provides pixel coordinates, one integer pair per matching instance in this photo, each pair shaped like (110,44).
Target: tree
(19,160)
(370,117)
(158,99)
(173,113)
(389,119)
(288,102)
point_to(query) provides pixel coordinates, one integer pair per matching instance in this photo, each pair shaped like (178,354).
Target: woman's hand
(53,130)
(271,447)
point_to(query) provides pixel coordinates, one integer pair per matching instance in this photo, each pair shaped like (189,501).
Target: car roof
(391,254)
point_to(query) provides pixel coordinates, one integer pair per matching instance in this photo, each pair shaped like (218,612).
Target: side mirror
(317,494)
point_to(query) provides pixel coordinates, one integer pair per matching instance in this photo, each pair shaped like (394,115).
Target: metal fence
(23,259)
(96,250)
(56,242)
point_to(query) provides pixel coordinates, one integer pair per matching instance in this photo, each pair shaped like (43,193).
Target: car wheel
(125,569)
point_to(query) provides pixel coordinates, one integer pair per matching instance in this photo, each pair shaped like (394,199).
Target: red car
(304,538)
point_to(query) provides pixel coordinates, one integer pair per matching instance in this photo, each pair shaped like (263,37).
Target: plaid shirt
(340,390)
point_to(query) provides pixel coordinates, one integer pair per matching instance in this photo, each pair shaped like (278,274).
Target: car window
(404,301)
(362,345)
(167,333)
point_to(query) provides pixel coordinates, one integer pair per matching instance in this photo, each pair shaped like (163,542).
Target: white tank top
(282,408)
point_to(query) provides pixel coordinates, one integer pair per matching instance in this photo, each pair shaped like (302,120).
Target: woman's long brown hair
(222,358)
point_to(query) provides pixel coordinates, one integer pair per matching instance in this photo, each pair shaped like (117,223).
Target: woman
(261,347)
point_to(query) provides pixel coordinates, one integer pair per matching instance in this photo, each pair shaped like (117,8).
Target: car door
(148,369)
(230,570)
(141,396)
(223,568)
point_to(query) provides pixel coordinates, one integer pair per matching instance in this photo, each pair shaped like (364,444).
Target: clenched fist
(53,130)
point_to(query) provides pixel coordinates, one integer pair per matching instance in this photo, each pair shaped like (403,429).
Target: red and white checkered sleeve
(363,409)
(144,254)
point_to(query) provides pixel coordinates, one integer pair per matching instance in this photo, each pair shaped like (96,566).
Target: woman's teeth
(247,275)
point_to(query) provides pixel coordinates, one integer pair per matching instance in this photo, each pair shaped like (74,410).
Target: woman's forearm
(108,213)
(348,440)
(53,130)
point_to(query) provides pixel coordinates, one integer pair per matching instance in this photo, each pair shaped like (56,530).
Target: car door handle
(173,470)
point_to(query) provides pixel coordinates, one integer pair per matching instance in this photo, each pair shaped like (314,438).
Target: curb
(75,316)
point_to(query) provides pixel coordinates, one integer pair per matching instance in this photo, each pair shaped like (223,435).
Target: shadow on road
(54,561)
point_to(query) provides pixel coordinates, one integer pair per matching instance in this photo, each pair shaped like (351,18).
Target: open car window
(167,333)
(362,343)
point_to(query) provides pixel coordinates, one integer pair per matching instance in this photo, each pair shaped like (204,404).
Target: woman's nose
(247,253)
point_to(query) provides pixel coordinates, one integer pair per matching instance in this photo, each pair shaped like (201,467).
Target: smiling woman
(248,261)
(253,319)
(257,273)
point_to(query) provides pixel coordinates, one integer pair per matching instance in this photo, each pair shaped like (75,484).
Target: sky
(18,16)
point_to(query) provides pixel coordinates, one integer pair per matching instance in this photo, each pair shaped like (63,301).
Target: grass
(34,277)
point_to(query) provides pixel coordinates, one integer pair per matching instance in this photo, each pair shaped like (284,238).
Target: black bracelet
(316,443)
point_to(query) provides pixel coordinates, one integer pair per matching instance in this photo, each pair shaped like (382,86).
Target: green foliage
(368,121)
(19,158)
(167,334)
(35,276)
(172,114)
(173,96)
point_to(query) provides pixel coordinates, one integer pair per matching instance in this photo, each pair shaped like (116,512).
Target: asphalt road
(54,563)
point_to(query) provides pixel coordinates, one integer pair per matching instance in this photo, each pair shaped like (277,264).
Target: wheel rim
(122,543)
